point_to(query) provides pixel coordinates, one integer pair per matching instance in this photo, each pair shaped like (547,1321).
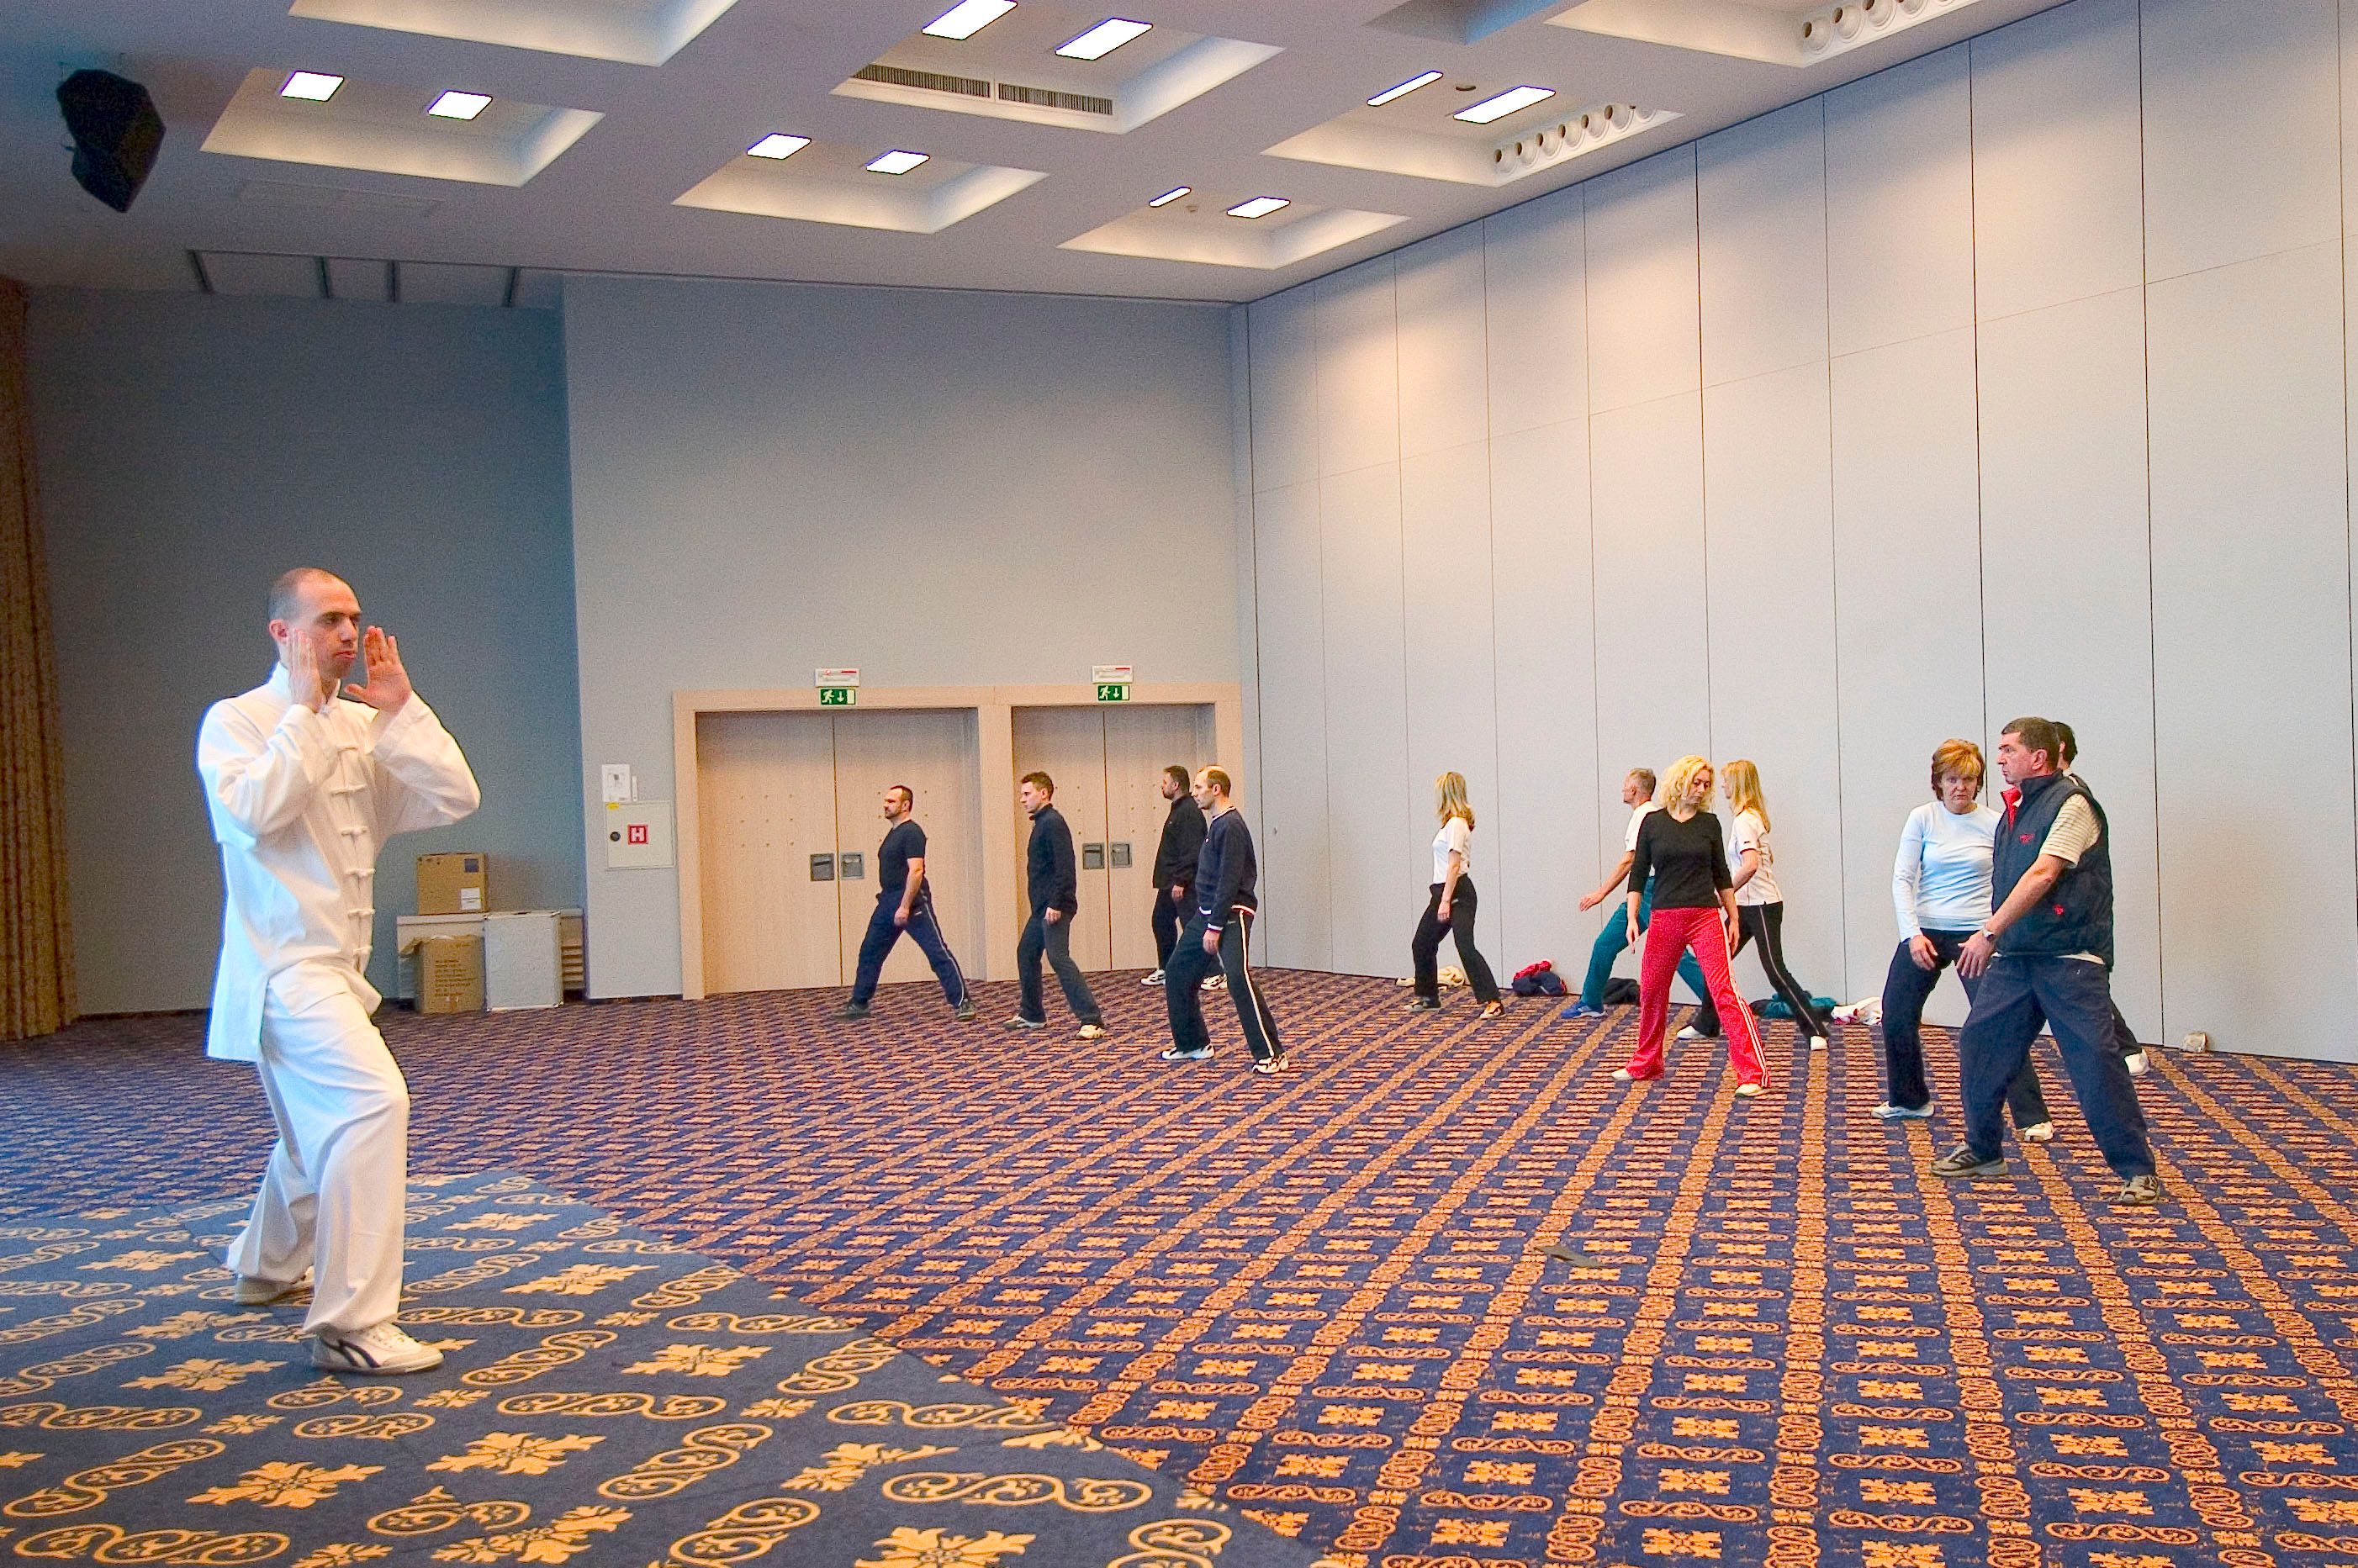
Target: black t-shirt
(905,843)
(1688,861)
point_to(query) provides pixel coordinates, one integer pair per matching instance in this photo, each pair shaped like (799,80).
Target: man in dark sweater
(1221,933)
(1053,881)
(2043,951)
(905,901)
(1174,866)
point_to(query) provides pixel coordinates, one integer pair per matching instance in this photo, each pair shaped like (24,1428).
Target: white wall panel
(1292,823)
(1652,653)
(2252,680)
(1761,210)
(2064,502)
(1536,295)
(1377,886)
(1444,377)
(1769,528)
(1359,369)
(1642,303)
(2058,205)
(1452,677)
(1283,332)
(1546,851)
(1248,765)
(1906,607)
(1899,203)
(2242,130)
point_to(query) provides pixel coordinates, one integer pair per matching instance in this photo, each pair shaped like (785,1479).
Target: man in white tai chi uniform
(305,776)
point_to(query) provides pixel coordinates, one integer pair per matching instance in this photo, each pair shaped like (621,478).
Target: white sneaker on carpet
(2138,1063)
(1748,1091)
(1817,1041)
(1216,983)
(1691,1032)
(254,1291)
(1153,979)
(382,1351)
(1090,1031)
(2037,1132)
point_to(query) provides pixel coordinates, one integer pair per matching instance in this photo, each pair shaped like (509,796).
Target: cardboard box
(454,884)
(451,974)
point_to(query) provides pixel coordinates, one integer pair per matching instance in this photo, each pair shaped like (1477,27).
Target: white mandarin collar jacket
(300,800)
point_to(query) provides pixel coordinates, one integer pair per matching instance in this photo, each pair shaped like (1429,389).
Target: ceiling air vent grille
(1047,98)
(931,81)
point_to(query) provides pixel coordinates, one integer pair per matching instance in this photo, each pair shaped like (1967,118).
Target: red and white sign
(638,834)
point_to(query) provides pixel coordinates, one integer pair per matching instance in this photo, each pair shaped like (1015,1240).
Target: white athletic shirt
(1455,833)
(1746,832)
(1636,818)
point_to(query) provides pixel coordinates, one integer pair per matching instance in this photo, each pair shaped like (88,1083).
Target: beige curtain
(37,982)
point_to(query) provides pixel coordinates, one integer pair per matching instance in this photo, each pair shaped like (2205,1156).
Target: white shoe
(1691,1032)
(1746,1091)
(374,1352)
(1624,1075)
(254,1291)
(1090,1031)
(2037,1132)
(1216,983)
(1153,979)
(1269,1067)
(1817,1041)
(2138,1063)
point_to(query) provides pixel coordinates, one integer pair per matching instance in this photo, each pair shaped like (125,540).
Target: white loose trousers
(332,1194)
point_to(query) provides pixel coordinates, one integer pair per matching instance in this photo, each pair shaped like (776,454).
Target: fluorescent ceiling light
(1504,104)
(1258,206)
(459,105)
(967,18)
(897,162)
(1404,89)
(1168,197)
(1103,39)
(317,86)
(778,143)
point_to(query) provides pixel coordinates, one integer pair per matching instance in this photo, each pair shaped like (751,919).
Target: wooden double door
(790,815)
(1108,763)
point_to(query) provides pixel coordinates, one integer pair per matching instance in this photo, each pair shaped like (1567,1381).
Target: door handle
(1121,857)
(1093,856)
(851,865)
(822,868)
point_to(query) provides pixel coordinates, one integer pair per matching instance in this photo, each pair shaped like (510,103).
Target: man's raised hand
(388,682)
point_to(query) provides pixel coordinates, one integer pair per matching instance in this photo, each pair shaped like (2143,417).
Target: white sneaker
(2137,1064)
(1747,1091)
(1691,1032)
(1817,1041)
(2037,1132)
(374,1352)
(1173,1054)
(1153,979)
(254,1291)
(1216,983)
(1090,1031)
(1269,1067)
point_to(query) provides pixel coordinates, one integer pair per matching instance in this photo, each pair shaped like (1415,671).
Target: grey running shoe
(1963,1162)
(382,1351)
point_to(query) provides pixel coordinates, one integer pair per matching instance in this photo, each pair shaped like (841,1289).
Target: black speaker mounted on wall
(116,134)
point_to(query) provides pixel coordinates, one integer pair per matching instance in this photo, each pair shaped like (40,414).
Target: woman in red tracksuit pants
(1695,910)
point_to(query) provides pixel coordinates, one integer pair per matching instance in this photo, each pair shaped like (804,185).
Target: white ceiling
(607,203)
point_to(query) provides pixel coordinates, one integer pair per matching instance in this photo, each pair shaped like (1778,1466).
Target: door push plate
(822,868)
(852,865)
(1121,857)
(1093,856)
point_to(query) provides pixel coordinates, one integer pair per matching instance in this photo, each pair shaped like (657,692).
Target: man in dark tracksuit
(905,901)
(1174,866)
(1221,933)
(2044,951)
(1053,881)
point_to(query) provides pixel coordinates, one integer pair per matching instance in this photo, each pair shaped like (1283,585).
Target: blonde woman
(1453,904)
(1760,905)
(1694,911)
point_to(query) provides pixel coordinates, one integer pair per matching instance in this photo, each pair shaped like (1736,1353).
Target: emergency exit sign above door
(1112,681)
(837,688)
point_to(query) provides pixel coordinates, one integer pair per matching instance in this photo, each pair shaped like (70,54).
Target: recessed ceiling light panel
(1258,206)
(314,85)
(1500,105)
(967,18)
(1168,197)
(777,145)
(459,105)
(1424,78)
(896,161)
(1103,39)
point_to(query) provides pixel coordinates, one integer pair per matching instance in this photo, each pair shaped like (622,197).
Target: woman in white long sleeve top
(1940,892)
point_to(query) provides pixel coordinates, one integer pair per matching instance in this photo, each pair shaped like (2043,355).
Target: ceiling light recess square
(1258,206)
(312,86)
(896,161)
(829,182)
(1201,234)
(1422,78)
(636,32)
(777,145)
(1432,145)
(1499,105)
(1168,197)
(1103,38)
(376,126)
(967,18)
(457,105)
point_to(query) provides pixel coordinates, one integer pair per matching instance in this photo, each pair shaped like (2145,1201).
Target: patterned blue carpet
(1325,1298)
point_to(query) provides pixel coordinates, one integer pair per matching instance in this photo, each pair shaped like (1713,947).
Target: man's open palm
(388,682)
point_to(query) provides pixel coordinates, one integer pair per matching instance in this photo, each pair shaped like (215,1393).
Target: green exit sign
(839,697)
(1112,691)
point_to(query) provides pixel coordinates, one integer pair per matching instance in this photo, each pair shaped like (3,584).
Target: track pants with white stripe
(924,928)
(1183,980)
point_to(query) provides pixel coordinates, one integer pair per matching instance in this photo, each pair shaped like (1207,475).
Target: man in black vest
(1174,866)
(2043,951)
